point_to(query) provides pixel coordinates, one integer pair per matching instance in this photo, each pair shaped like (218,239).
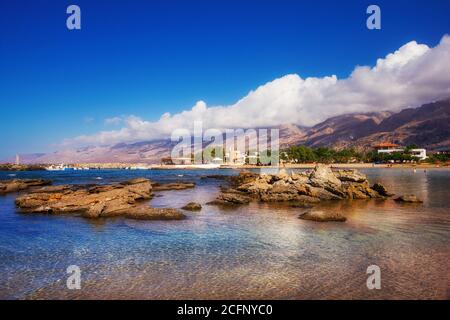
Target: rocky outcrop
(95,201)
(322,216)
(381,189)
(172,186)
(7,186)
(317,185)
(192,206)
(231,197)
(409,198)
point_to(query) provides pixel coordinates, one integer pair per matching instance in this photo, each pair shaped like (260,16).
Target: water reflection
(258,251)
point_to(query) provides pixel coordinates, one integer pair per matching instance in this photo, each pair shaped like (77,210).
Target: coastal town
(381,155)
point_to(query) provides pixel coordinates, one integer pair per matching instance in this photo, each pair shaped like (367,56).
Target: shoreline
(142,166)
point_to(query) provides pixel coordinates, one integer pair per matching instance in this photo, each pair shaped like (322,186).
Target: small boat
(54,167)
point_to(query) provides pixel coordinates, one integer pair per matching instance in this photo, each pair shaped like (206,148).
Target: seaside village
(386,153)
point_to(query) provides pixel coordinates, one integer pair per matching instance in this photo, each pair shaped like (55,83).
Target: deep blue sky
(149,57)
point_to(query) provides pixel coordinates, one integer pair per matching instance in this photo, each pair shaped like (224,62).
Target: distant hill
(427,126)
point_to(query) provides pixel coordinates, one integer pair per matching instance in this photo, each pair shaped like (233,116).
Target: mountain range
(427,126)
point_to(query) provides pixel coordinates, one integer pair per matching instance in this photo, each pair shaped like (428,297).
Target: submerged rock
(7,186)
(192,206)
(172,186)
(322,216)
(95,201)
(410,198)
(146,213)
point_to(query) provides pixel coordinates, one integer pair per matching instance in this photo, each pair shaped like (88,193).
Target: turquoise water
(259,251)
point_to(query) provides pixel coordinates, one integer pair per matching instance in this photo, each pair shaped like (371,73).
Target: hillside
(427,126)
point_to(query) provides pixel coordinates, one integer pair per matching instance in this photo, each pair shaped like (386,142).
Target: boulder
(192,206)
(381,189)
(350,176)
(322,216)
(300,177)
(243,178)
(259,185)
(231,198)
(282,175)
(323,175)
(322,193)
(409,198)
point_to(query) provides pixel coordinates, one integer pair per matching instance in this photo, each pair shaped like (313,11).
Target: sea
(255,251)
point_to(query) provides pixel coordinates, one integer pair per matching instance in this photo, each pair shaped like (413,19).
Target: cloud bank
(412,75)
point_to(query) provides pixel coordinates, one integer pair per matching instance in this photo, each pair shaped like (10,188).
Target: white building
(420,154)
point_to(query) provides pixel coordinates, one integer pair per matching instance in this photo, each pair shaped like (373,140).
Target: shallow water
(259,251)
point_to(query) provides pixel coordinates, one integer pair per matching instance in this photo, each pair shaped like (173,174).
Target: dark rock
(216,176)
(381,189)
(193,206)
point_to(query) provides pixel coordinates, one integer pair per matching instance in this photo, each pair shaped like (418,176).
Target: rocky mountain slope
(427,126)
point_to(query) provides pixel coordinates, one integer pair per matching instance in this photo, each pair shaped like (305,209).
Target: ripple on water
(255,252)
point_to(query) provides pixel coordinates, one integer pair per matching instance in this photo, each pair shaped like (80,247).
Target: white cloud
(412,75)
(113,121)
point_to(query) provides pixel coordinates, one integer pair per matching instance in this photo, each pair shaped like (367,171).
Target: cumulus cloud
(412,75)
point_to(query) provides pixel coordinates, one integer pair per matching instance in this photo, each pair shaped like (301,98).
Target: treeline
(438,158)
(304,154)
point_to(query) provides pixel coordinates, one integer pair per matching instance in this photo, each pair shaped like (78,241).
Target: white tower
(17,159)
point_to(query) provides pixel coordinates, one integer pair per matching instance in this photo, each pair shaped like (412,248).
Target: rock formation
(172,186)
(7,186)
(410,198)
(317,185)
(192,206)
(94,201)
(322,216)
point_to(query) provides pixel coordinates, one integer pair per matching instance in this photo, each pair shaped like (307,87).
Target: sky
(139,69)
